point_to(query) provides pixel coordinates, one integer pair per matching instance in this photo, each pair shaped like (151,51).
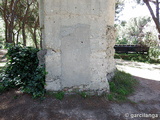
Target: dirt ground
(144,105)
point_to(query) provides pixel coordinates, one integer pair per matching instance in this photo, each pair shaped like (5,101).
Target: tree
(8,9)
(133,31)
(33,25)
(21,18)
(118,8)
(155,15)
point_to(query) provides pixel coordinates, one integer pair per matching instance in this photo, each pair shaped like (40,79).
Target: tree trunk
(35,38)
(24,34)
(9,20)
(13,37)
(155,18)
(157,9)
(17,37)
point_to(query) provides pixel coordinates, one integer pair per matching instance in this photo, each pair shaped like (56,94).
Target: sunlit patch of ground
(143,70)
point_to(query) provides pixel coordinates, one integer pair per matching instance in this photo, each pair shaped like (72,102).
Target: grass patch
(59,95)
(83,94)
(136,57)
(121,86)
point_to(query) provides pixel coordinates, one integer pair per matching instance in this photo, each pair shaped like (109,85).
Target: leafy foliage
(134,31)
(119,6)
(22,71)
(21,21)
(154,52)
(121,86)
(149,40)
(122,41)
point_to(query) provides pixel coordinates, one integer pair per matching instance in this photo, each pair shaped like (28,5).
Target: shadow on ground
(15,105)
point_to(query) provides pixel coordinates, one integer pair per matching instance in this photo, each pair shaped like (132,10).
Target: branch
(157,10)
(152,14)
(1,8)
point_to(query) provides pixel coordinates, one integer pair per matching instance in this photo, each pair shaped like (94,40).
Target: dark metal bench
(131,49)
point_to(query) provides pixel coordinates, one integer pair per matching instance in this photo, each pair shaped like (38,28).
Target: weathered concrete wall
(79,37)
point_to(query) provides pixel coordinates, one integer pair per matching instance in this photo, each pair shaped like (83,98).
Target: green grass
(83,94)
(136,57)
(59,95)
(121,86)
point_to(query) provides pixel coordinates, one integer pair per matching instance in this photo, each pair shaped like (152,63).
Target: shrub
(121,86)
(22,71)
(154,52)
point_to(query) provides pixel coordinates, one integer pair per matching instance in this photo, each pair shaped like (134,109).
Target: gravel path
(139,69)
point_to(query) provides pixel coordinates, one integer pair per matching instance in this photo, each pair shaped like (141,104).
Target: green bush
(22,71)
(154,52)
(121,86)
